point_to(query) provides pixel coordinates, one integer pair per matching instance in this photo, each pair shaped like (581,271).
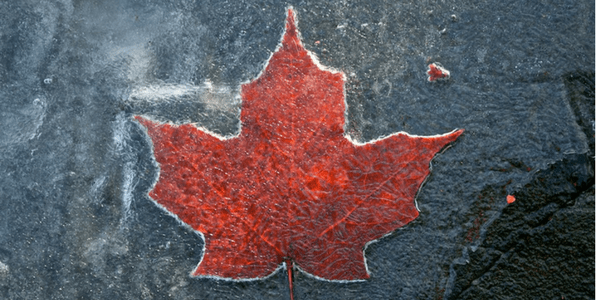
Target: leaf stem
(288,266)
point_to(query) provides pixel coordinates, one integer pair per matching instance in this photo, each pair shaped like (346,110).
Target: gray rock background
(75,218)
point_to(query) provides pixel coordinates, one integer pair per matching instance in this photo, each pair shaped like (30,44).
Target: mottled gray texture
(75,218)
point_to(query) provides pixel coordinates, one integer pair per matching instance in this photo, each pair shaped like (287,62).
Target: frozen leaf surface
(290,186)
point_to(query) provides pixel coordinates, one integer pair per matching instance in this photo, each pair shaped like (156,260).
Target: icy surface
(76,221)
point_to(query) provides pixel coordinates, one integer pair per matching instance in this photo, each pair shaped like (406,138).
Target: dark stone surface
(581,94)
(75,218)
(542,245)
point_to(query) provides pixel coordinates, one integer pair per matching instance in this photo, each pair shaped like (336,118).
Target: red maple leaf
(290,187)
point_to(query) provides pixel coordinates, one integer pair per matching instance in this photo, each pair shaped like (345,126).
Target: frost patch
(3,270)
(95,190)
(122,149)
(97,251)
(216,98)
(22,125)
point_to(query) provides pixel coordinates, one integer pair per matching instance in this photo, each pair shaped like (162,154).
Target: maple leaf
(290,187)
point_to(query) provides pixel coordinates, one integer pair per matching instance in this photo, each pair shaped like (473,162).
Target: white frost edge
(195,124)
(153,92)
(315,60)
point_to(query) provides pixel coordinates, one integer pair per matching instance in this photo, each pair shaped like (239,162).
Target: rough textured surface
(76,221)
(541,246)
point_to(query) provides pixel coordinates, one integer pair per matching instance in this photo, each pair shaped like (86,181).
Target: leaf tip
(145,122)
(291,28)
(290,23)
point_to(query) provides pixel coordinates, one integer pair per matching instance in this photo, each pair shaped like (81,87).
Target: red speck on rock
(510,199)
(436,72)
